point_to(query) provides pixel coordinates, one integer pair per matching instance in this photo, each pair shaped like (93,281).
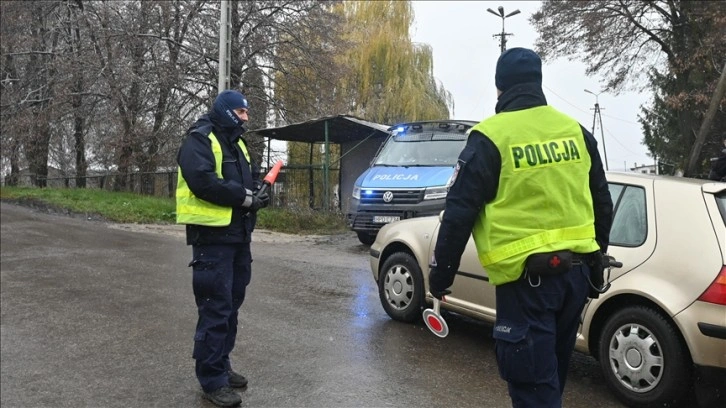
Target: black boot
(236,380)
(224,397)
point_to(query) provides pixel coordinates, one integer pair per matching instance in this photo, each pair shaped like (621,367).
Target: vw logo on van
(387,196)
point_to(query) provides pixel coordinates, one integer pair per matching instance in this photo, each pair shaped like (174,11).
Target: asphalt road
(95,315)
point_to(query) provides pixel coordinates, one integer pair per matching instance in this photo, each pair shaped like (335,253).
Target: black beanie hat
(225,102)
(518,66)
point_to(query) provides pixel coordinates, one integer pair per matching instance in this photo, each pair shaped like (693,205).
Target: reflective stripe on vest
(193,210)
(543,201)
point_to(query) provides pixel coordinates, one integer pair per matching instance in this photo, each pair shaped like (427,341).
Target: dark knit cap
(225,102)
(518,66)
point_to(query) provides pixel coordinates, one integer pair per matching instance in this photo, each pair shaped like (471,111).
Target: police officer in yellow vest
(216,200)
(531,190)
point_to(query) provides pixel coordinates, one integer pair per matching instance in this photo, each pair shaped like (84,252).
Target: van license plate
(385,219)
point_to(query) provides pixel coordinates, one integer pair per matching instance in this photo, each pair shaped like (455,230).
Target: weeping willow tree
(391,78)
(367,66)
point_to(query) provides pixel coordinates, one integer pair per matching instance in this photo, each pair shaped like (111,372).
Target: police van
(408,176)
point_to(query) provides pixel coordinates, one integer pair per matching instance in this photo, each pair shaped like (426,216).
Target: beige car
(659,332)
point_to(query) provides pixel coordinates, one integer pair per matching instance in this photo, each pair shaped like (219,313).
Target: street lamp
(597,116)
(225,44)
(503,35)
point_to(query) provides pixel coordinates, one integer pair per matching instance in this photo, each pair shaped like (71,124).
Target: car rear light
(716,293)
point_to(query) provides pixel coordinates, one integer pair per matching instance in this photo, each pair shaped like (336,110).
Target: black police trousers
(221,274)
(535,333)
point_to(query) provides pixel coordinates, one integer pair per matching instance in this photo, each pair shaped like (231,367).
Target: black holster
(596,262)
(549,263)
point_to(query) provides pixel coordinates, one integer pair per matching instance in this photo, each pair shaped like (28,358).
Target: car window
(630,224)
(721,202)
(615,191)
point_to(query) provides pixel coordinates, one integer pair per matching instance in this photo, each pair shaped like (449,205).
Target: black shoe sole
(220,403)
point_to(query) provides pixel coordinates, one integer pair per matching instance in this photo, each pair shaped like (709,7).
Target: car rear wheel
(400,287)
(366,238)
(643,358)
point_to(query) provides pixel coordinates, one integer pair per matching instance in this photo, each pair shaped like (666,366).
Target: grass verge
(141,209)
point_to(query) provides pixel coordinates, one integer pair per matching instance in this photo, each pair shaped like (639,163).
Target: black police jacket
(196,162)
(478,180)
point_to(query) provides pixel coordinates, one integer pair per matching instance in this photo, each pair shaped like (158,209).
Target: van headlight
(356,192)
(433,193)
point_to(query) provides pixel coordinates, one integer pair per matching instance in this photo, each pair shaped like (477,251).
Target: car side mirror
(441,216)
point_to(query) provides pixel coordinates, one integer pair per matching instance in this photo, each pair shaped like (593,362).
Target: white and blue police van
(408,176)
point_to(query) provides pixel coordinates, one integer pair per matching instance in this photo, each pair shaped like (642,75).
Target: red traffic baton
(269,178)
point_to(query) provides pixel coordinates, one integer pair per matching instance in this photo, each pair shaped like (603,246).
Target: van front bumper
(364,220)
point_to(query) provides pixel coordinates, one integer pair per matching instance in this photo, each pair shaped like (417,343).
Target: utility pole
(597,117)
(225,45)
(503,35)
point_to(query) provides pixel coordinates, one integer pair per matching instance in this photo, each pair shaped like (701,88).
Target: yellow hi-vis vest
(543,201)
(193,210)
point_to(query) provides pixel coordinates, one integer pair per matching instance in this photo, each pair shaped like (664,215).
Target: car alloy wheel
(636,357)
(400,287)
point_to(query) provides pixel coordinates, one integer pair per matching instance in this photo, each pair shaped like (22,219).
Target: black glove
(259,202)
(439,281)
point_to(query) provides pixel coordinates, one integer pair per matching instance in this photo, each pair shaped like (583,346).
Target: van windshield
(421,151)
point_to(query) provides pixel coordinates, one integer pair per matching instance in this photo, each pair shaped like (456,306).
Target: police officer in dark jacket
(216,199)
(531,190)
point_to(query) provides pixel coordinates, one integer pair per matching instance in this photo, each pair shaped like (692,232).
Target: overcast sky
(465,55)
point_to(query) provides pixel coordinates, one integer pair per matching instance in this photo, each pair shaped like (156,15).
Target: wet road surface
(102,316)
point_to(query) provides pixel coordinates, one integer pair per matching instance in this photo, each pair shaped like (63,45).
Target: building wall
(646,169)
(356,159)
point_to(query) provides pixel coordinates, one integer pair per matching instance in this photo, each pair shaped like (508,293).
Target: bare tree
(677,45)
(111,86)
(12,88)
(29,80)
(259,31)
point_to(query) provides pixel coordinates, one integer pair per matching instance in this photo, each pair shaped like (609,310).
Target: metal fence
(296,187)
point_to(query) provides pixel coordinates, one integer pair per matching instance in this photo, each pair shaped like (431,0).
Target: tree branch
(663,45)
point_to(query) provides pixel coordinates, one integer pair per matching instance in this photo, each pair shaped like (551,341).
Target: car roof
(708,186)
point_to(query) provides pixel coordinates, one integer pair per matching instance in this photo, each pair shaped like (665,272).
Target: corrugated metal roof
(341,129)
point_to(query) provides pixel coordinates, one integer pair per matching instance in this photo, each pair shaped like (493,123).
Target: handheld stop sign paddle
(434,321)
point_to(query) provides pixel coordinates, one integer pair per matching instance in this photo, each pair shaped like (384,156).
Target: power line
(584,111)
(621,145)
(476,107)
(622,120)
(602,127)
(566,101)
